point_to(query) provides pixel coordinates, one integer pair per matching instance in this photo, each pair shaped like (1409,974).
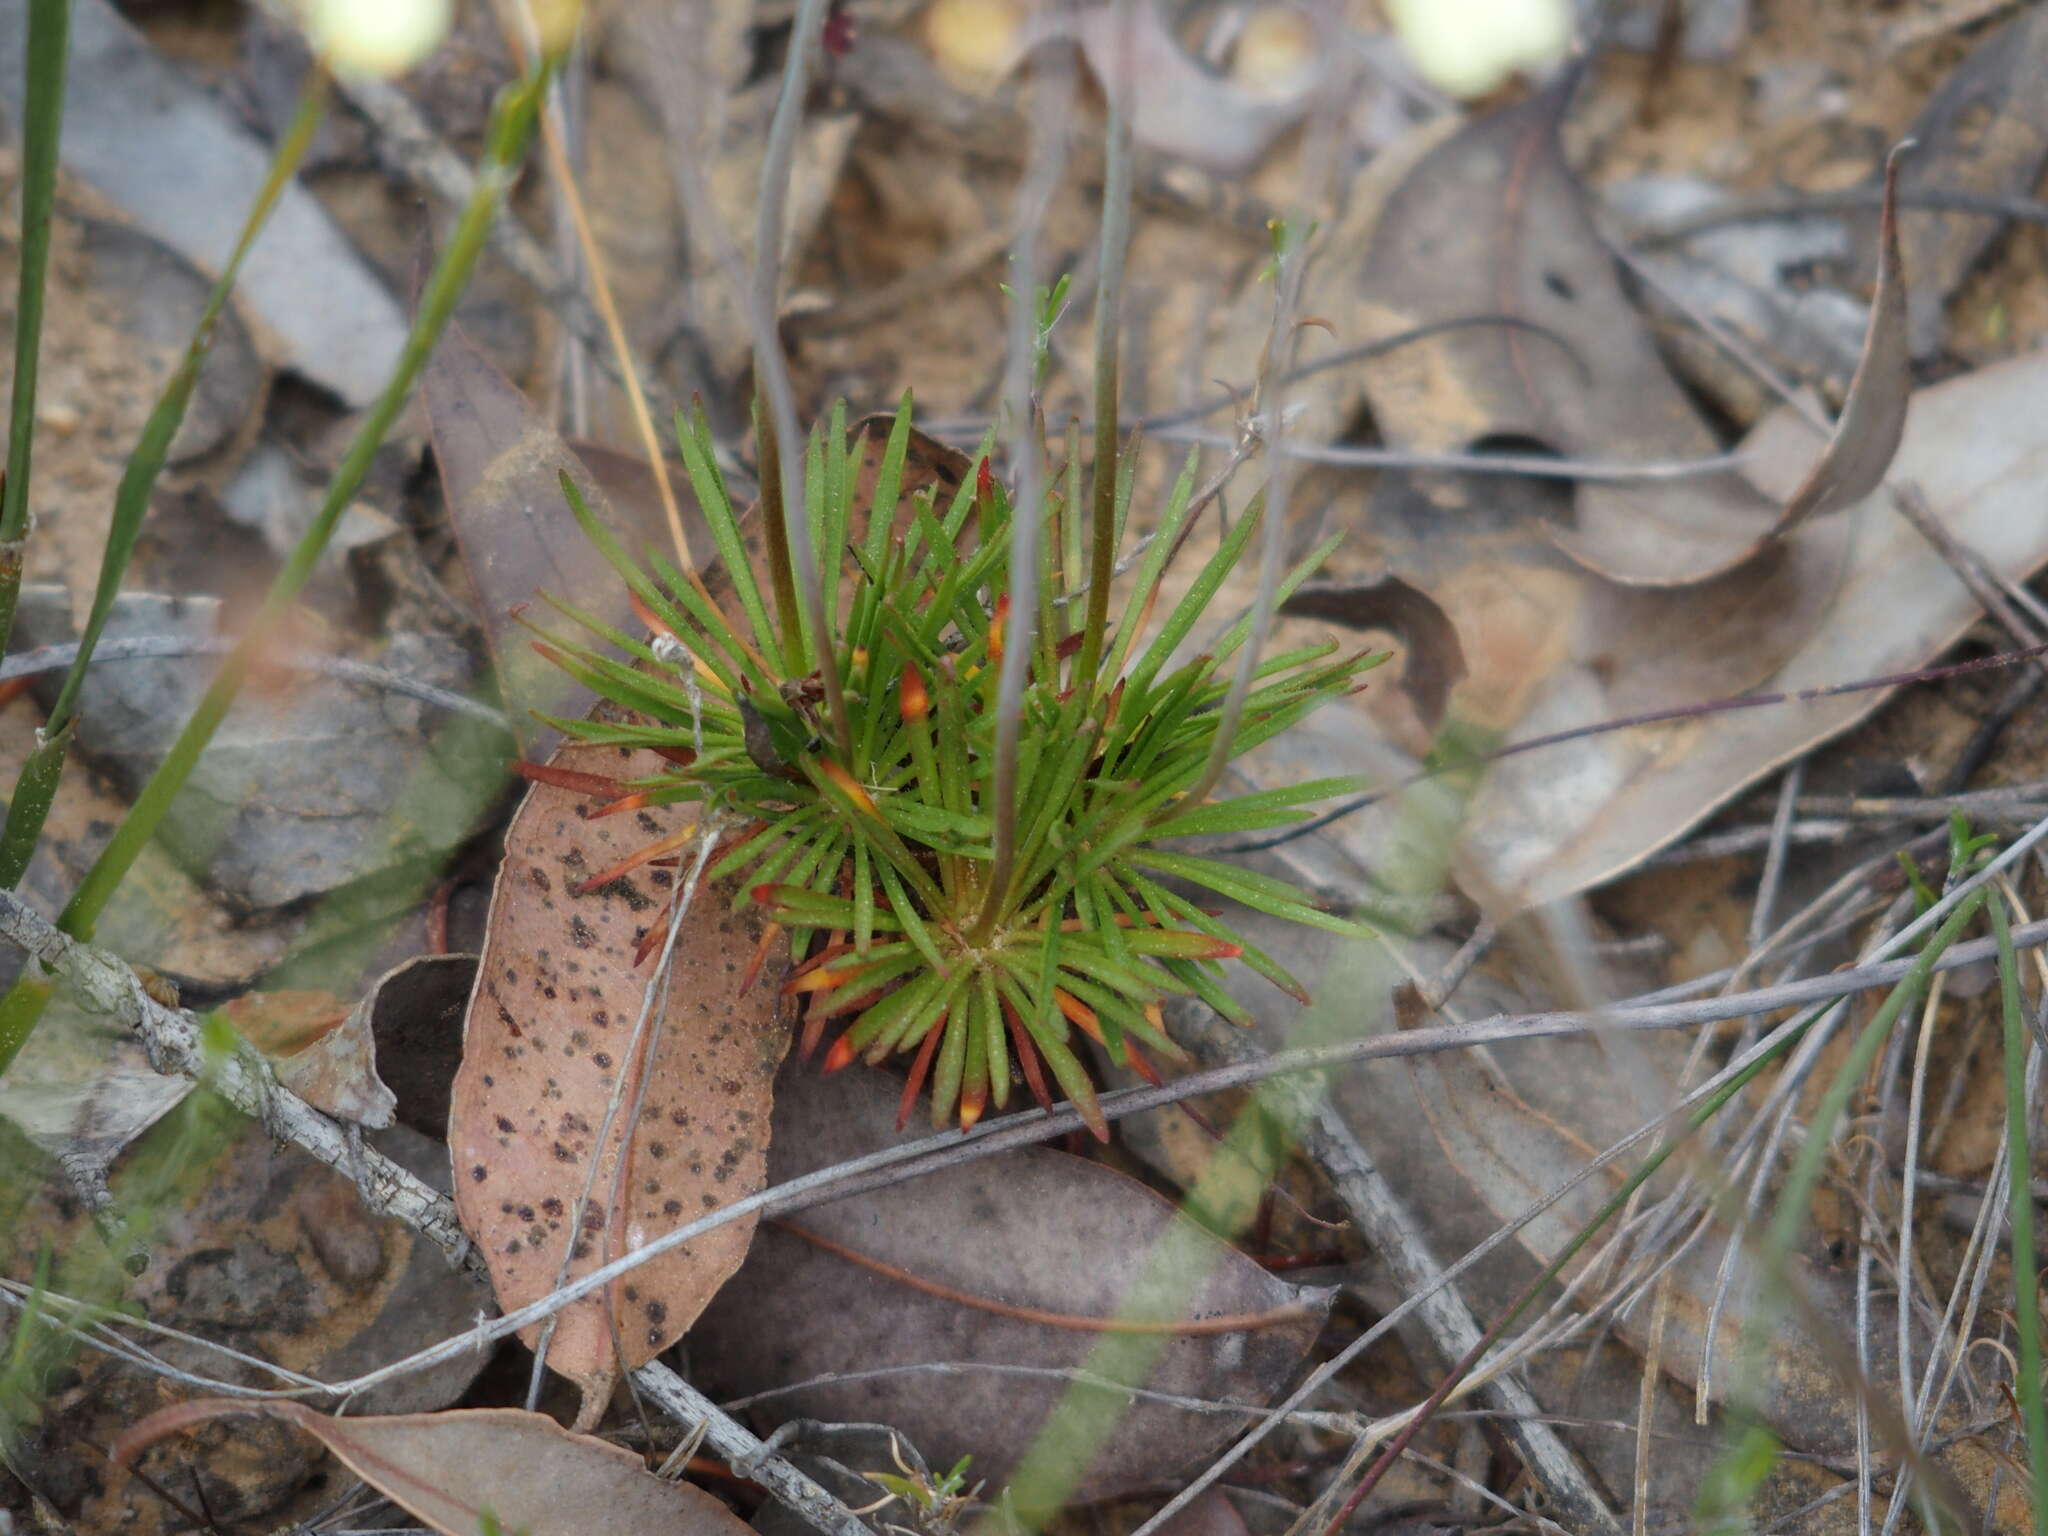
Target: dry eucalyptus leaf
(1976,447)
(501,466)
(1561,819)
(1489,216)
(1033,1228)
(547,1047)
(452,1469)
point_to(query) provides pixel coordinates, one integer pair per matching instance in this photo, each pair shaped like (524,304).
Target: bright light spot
(1468,47)
(377,37)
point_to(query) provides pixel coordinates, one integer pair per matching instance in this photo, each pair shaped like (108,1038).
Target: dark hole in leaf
(1522,496)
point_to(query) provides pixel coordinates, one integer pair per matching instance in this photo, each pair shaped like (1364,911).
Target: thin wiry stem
(1034,194)
(771,369)
(1276,361)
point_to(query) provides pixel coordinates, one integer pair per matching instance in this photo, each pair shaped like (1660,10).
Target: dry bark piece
(1033,1228)
(547,1044)
(451,1469)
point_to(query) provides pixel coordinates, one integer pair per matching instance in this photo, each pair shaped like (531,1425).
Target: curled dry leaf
(1983,131)
(548,1048)
(320,1048)
(415,1012)
(453,1469)
(1492,209)
(1874,413)
(1029,1229)
(1490,216)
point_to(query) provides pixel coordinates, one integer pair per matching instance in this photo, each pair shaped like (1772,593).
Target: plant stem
(2026,1277)
(37,784)
(512,127)
(771,371)
(49,43)
(775,542)
(1041,174)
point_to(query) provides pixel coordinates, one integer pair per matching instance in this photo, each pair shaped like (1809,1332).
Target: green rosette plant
(873,842)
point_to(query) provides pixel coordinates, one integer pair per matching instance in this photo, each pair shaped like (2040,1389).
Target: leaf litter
(1554,641)
(1035,1229)
(601,1100)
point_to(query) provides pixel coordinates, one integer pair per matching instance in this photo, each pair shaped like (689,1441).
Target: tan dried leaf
(547,1049)
(451,1469)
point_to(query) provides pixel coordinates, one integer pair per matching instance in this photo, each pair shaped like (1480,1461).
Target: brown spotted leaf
(547,1048)
(452,1469)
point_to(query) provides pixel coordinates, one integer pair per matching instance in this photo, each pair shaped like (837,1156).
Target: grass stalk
(771,371)
(1109,292)
(40,775)
(2026,1275)
(49,45)
(512,128)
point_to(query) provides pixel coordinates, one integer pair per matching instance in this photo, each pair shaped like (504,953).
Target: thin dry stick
(523,38)
(1741,1062)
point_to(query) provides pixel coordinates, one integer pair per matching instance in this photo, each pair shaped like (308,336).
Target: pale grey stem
(1328,1423)
(1047,157)
(1276,363)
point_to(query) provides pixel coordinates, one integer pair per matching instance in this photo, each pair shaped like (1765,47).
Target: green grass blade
(49,42)
(512,128)
(2026,1276)
(37,785)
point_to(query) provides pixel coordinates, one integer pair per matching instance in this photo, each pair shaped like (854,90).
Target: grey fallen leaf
(1035,1228)
(302,791)
(159,146)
